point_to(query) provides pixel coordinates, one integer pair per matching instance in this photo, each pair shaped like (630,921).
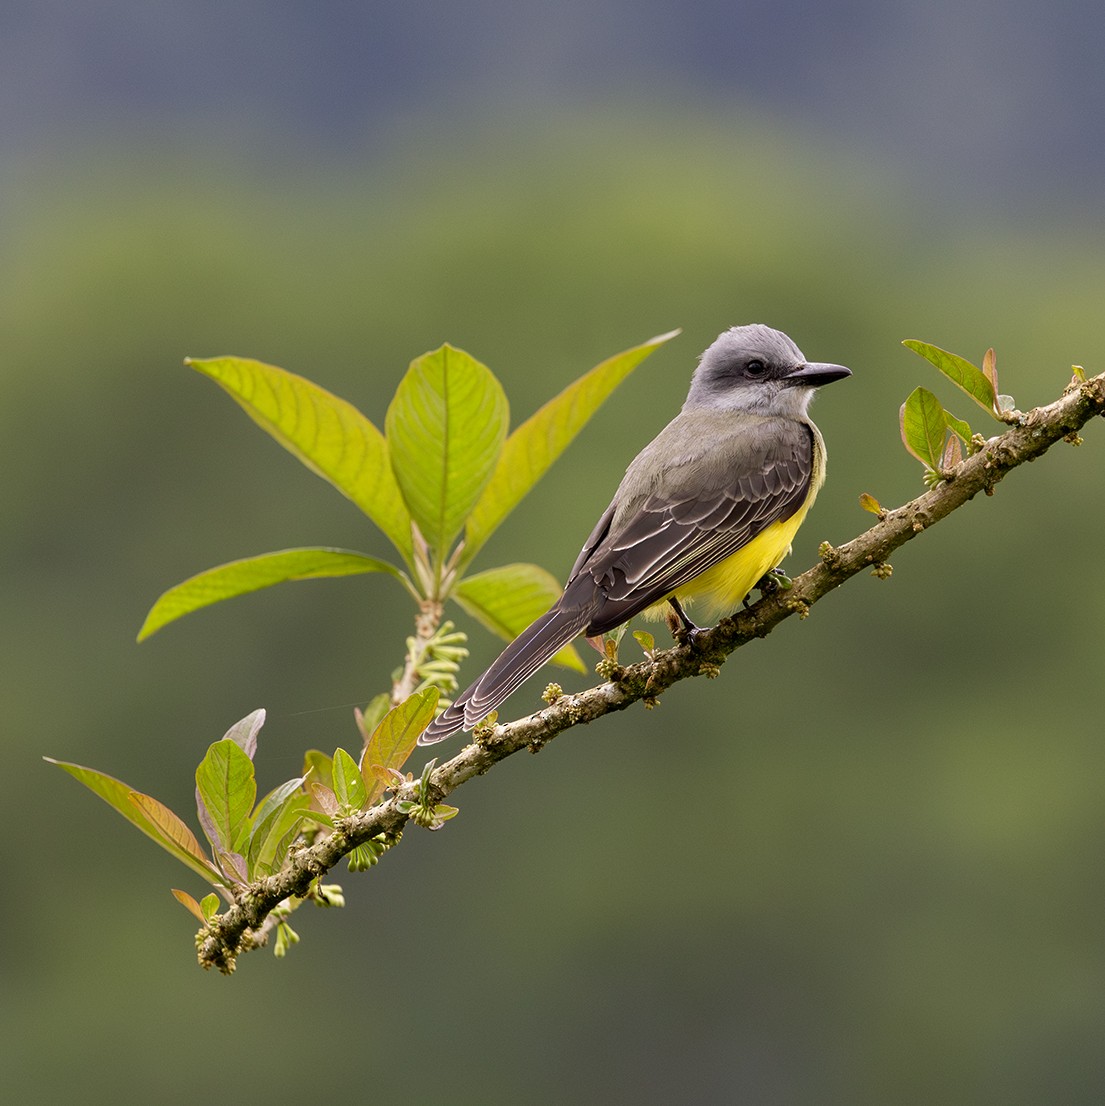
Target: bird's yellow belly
(720,590)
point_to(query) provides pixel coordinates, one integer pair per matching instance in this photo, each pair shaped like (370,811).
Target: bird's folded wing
(675,534)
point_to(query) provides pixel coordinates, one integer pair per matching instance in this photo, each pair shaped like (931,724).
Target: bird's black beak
(813,374)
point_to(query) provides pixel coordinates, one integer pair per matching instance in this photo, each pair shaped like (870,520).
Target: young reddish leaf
(990,369)
(233,865)
(508,598)
(225,791)
(254,573)
(324,799)
(329,435)
(959,371)
(923,426)
(395,738)
(119,796)
(349,785)
(245,732)
(189,904)
(173,833)
(869,503)
(953,453)
(389,777)
(534,445)
(368,719)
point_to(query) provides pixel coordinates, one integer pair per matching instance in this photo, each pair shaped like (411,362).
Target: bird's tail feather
(517,662)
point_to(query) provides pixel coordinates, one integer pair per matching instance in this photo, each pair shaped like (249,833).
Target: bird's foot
(683,629)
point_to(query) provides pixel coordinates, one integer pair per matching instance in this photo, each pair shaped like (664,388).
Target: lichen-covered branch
(230,933)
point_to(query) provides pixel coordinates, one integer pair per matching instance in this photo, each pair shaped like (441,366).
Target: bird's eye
(755,367)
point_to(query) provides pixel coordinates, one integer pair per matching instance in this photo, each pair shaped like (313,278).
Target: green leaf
(445,431)
(924,426)
(646,641)
(209,904)
(959,371)
(394,739)
(534,445)
(279,812)
(317,767)
(225,793)
(329,435)
(154,819)
(958,427)
(869,503)
(348,784)
(507,599)
(253,573)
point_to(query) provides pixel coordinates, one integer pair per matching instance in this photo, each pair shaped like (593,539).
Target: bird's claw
(685,631)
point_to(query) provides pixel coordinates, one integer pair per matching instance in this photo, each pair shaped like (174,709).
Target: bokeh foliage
(897,900)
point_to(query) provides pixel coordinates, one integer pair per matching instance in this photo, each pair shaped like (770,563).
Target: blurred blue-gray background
(864,865)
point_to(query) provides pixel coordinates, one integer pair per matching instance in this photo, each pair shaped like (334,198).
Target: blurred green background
(864,865)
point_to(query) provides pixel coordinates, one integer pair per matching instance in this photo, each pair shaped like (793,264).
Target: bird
(704,512)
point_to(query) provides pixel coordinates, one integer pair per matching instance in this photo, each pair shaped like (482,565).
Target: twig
(229,934)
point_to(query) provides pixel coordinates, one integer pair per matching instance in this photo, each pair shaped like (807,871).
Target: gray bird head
(758,370)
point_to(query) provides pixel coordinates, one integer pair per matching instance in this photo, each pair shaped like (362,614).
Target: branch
(237,930)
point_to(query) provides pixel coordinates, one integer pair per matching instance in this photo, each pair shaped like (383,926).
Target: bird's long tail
(517,662)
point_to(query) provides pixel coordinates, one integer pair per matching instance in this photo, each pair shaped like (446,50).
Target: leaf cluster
(266,857)
(933,434)
(250,839)
(438,481)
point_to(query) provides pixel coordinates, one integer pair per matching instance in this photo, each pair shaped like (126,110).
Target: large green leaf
(328,434)
(958,370)
(269,849)
(924,427)
(253,573)
(445,431)
(348,783)
(154,819)
(280,811)
(395,738)
(507,599)
(534,445)
(225,793)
